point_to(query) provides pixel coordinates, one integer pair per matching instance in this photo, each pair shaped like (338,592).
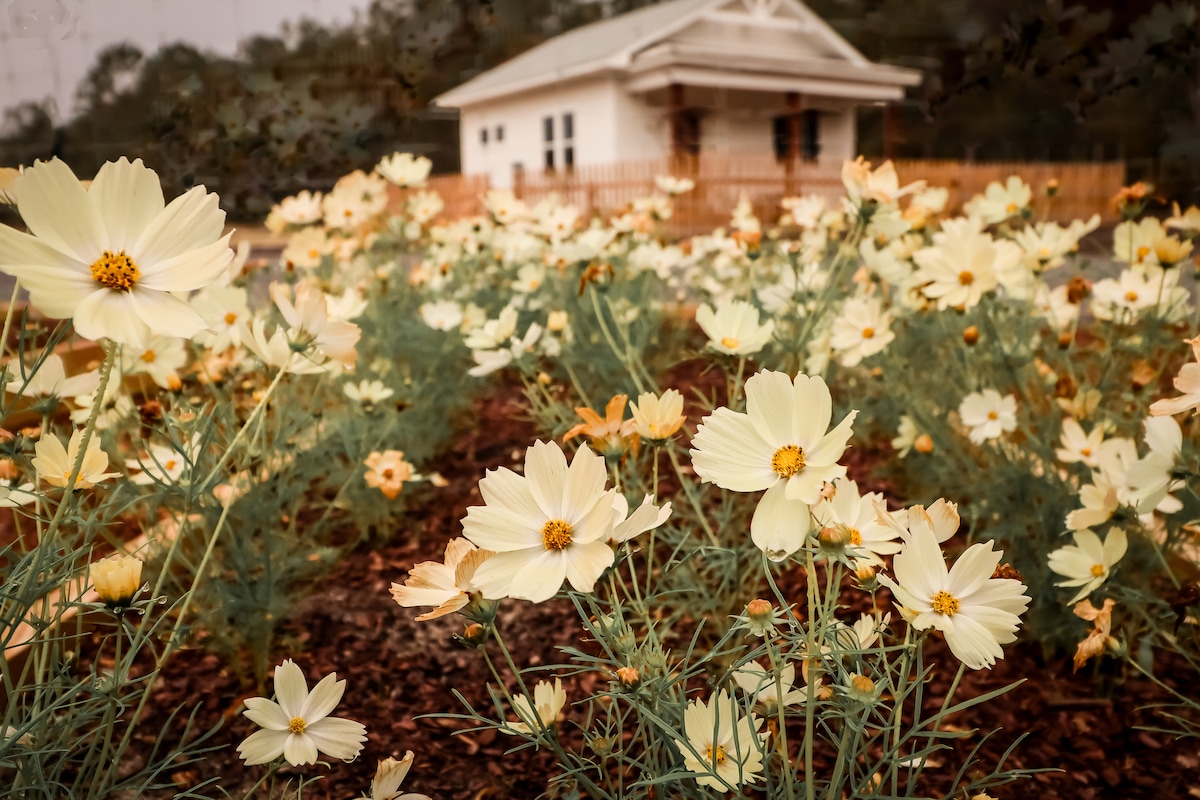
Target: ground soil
(398,670)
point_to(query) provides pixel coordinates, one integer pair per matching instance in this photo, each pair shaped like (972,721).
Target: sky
(47,46)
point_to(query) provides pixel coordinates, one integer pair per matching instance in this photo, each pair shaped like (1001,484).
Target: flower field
(866,498)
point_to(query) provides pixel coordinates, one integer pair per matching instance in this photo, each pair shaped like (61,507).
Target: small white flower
(1000,200)
(1088,562)
(548,701)
(388,776)
(733,328)
(988,414)
(54,463)
(368,392)
(298,726)
(1079,447)
(861,330)
(405,170)
(723,748)
(759,683)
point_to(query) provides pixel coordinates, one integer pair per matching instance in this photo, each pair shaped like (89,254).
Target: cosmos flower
(988,414)
(976,612)
(114,256)
(116,579)
(549,525)
(780,444)
(658,418)
(1088,562)
(446,586)
(548,701)
(723,747)
(387,472)
(54,463)
(298,726)
(733,328)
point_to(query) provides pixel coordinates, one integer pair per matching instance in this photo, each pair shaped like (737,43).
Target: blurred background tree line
(1005,80)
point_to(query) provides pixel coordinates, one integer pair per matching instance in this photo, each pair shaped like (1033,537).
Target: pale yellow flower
(54,463)
(116,579)
(388,472)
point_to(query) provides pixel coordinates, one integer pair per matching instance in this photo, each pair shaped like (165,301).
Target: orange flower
(1100,636)
(613,434)
(388,472)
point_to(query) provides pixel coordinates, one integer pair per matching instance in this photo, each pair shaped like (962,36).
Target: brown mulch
(398,670)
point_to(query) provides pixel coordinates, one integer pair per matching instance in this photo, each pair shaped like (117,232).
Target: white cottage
(744,77)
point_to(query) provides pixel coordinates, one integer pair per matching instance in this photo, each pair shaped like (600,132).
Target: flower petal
(190,221)
(291,690)
(266,714)
(57,210)
(338,738)
(779,526)
(323,699)
(262,746)
(300,748)
(110,314)
(127,196)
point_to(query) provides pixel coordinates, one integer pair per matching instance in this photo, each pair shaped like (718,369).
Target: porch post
(891,119)
(675,110)
(795,140)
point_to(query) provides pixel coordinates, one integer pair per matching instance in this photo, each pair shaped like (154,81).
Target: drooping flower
(54,464)
(297,725)
(723,748)
(1088,563)
(446,586)
(311,322)
(656,418)
(50,380)
(780,444)
(976,612)
(988,414)
(611,435)
(881,185)
(868,537)
(387,472)
(113,256)
(1100,637)
(550,525)
(733,328)
(759,683)
(548,701)
(116,579)
(1187,382)
(388,776)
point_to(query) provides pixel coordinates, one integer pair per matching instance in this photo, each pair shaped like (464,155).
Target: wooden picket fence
(1084,188)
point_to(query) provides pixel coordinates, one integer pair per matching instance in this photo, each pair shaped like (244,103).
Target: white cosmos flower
(442,315)
(1188,382)
(445,586)
(388,776)
(722,746)
(758,682)
(298,726)
(1000,200)
(55,463)
(861,330)
(960,268)
(869,536)
(733,328)
(1079,447)
(405,169)
(988,414)
(1088,562)
(368,392)
(976,612)
(114,256)
(50,380)
(780,444)
(311,321)
(550,525)
(548,701)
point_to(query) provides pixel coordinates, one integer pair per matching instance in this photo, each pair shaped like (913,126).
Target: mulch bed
(398,670)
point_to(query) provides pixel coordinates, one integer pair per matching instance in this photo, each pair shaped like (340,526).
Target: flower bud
(600,746)
(628,676)
(760,611)
(116,579)
(923,443)
(865,575)
(971,335)
(1064,340)
(1052,187)
(474,635)
(833,538)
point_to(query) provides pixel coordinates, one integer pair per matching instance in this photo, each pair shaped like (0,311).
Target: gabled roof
(611,44)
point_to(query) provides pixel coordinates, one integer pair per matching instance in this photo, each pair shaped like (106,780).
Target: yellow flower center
(993,415)
(149,357)
(230,318)
(1086,452)
(314,253)
(855,536)
(556,534)
(1011,209)
(1131,296)
(169,465)
(788,460)
(116,271)
(1142,252)
(387,474)
(966,277)
(1097,570)
(945,603)
(868,333)
(730,342)
(1043,253)
(715,754)
(297,725)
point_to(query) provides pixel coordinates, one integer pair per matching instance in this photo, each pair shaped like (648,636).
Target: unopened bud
(923,443)
(628,676)
(1007,572)
(833,538)
(474,635)
(1064,340)
(971,335)
(865,575)
(1077,289)
(1051,190)
(116,579)
(543,378)
(861,683)
(601,746)
(760,611)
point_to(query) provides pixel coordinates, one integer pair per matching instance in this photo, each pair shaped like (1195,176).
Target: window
(568,122)
(811,143)
(499,133)
(548,140)
(483,135)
